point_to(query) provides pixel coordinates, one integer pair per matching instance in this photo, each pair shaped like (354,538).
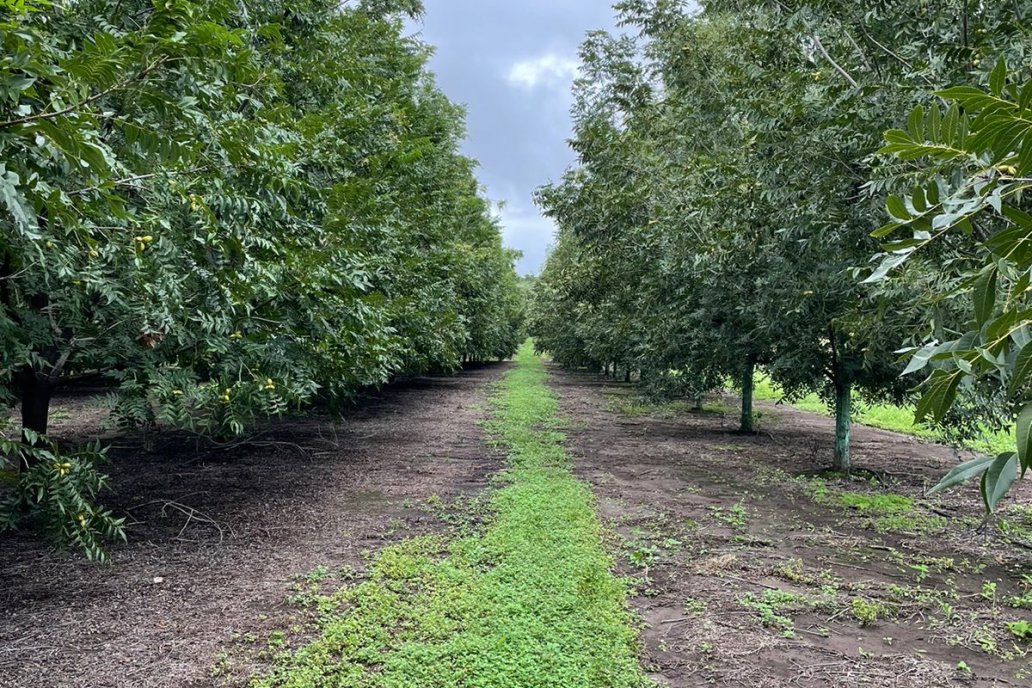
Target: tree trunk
(843,425)
(697,402)
(747,395)
(36,392)
(627,374)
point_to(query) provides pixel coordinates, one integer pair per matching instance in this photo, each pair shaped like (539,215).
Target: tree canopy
(227,209)
(723,211)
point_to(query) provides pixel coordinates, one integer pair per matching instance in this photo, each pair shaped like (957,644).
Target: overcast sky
(512,64)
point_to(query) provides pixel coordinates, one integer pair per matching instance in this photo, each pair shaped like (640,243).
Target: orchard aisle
(522,597)
(751,569)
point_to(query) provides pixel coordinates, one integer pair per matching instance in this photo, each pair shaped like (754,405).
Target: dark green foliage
(721,212)
(972,157)
(228,208)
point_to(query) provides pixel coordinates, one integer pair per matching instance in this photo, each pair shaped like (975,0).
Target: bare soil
(712,525)
(748,569)
(219,535)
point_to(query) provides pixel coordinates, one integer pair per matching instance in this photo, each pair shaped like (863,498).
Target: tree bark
(843,425)
(748,373)
(36,390)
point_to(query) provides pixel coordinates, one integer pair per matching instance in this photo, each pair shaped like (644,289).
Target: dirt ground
(751,572)
(217,536)
(750,567)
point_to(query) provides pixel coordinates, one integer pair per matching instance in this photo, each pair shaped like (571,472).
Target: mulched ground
(217,536)
(669,486)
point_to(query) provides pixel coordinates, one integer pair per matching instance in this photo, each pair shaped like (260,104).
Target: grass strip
(529,602)
(887,417)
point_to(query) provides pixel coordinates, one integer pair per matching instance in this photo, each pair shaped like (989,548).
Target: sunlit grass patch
(886,417)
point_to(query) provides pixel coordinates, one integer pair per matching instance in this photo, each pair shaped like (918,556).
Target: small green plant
(868,611)
(1016,524)
(318,574)
(891,513)
(920,571)
(1020,629)
(986,640)
(963,668)
(735,516)
(693,606)
(879,504)
(221,666)
(643,556)
(989,591)
(1023,600)
(771,605)
(949,614)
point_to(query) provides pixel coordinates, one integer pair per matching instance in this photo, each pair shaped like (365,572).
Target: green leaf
(998,479)
(934,122)
(984,295)
(998,77)
(888,229)
(962,473)
(933,193)
(897,208)
(918,199)
(1022,370)
(887,265)
(941,392)
(915,124)
(920,359)
(17,206)
(1024,433)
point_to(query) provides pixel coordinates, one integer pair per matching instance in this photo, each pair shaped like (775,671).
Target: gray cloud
(512,64)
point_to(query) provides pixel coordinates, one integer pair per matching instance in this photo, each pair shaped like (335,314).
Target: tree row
(224,210)
(728,207)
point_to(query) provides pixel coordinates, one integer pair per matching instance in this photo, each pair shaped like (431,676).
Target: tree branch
(95,97)
(126,181)
(820,46)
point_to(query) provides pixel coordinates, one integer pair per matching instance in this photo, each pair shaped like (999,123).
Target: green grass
(878,504)
(529,601)
(885,416)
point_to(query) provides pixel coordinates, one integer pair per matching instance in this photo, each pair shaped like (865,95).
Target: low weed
(867,611)
(735,516)
(891,513)
(773,608)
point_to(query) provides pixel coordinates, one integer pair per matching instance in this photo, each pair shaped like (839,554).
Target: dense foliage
(966,211)
(720,216)
(227,208)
